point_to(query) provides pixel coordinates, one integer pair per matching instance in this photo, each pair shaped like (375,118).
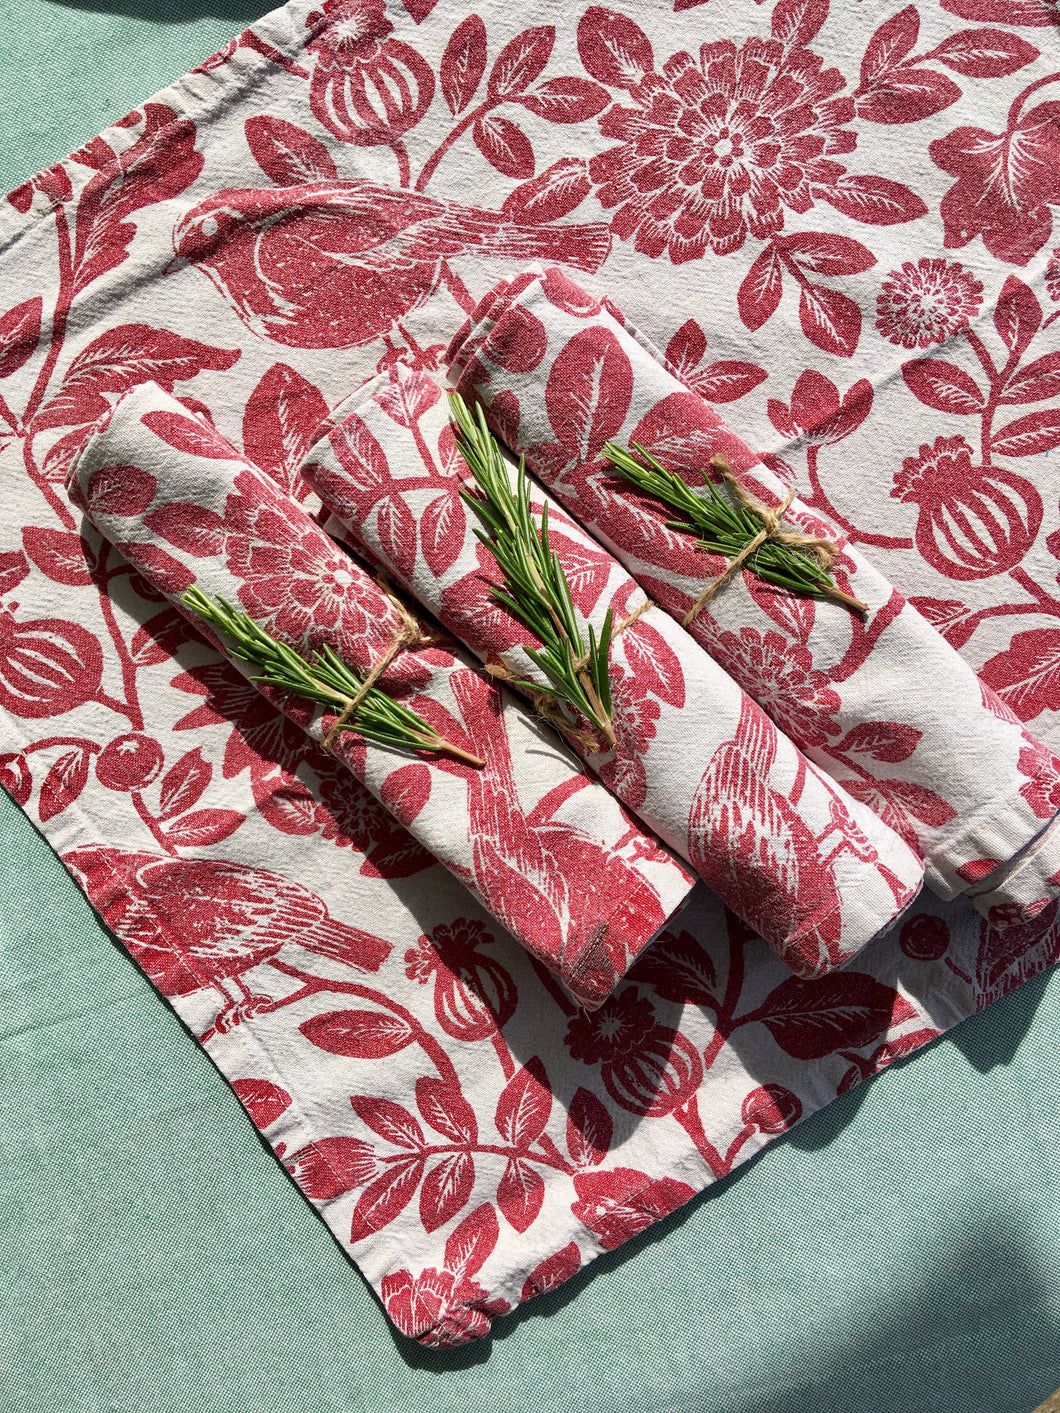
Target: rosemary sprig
(535,588)
(723,528)
(325,679)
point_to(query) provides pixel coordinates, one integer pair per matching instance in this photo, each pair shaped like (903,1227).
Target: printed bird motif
(749,842)
(336,264)
(192,923)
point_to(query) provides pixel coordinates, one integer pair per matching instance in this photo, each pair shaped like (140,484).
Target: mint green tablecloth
(900,1253)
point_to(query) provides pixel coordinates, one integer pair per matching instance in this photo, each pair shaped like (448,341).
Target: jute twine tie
(410,634)
(824,551)
(546,706)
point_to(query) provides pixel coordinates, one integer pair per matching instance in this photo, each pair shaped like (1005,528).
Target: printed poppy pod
(974,521)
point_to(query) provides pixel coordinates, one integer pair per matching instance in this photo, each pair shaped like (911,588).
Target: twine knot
(824,551)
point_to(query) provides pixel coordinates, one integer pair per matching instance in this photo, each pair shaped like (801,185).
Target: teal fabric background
(899,1253)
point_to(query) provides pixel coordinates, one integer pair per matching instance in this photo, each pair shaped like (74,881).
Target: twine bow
(824,551)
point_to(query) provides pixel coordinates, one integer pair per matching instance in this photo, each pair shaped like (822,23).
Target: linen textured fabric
(547,852)
(467,1135)
(811,870)
(880,700)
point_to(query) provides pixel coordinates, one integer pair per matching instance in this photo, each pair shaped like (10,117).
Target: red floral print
(617,1205)
(1006,184)
(974,521)
(1042,790)
(796,695)
(720,146)
(927,303)
(1052,276)
(617,1028)
(473,994)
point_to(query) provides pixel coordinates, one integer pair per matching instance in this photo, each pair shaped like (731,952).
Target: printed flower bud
(924,938)
(366,88)
(47,666)
(129,762)
(473,994)
(974,521)
(771,1108)
(655,1078)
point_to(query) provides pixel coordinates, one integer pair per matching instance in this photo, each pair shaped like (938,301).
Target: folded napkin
(810,869)
(880,700)
(544,848)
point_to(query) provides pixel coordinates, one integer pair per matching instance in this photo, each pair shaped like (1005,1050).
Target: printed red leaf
(123,358)
(759,292)
(204,827)
(158,639)
(282,416)
(829,319)
(919,801)
(1017,315)
(407,400)
(286,153)
(504,146)
(13,569)
(396,855)
(184,783)
(812,1019)
(953,619)
(328,1167)
(406,790)
(396,530)
(907,95)
(520,1193)
(189,434)
(263,1100)
(1027,436)
(587,570)
(120,490)
(442,532)
(58,554)
(985,53)
(361,1035)
(194,529)
(385,1198)
(551,195)
(446,1110)
(390,1120)
(796,22)
(589,1129)
(829,254)
(19,335)
(284,803)
(654,663)
(567,100)
(522,60)
(47,666)
(524,1105)
(553,1271)
(685,351)
(1035,382)
(883,740)
(158,166)
(463,63)
(875,201)
(613,49)
(1026,675)
(889,45)
(446,1189)
(588,392)
(943,386)
(727,380)
(64,782)
(471,1243)
(1040,13)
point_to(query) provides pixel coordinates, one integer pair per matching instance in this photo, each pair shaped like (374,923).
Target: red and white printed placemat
(837,217)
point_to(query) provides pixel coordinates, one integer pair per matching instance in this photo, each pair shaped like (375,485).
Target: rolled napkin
(544,848)
(809,869)
(880,700)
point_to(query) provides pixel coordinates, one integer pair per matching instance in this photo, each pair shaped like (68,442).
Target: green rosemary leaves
(535,590)
(325,679)
(799,563)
